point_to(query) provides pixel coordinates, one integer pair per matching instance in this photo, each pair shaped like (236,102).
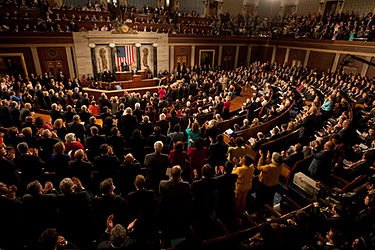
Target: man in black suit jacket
(107,164)
(95,141)
(5,118)
(76,215)
(203,197)
(292,158)
(68,114)
(163,124)
(219,106)
(141,206)
(128,123)
(29,163)
(14,114)
(174,204)
(319,168)
(26,111)
(109,203)
(77,128)
(217,152)
(157,163)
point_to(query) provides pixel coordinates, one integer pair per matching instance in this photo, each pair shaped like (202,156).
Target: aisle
(239,100)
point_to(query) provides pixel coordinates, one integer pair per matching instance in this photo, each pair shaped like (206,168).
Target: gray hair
(66,186)
(158,146)
(137,105)
(69,137)
(162,116)
(277,159)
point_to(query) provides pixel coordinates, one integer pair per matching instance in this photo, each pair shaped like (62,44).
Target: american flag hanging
(124,54)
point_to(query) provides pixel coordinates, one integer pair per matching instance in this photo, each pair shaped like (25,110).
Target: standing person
(226,107)
(268,177)
(245,173)
(193,132)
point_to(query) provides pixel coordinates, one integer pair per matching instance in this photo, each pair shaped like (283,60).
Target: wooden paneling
(228,57)
(26,54)
(371,69)
(182,54)
(198,48)
(280,55)
(297,55)
(36,38)
(261,53)
(53,54)
(352,64)
(242,57)
(320,61)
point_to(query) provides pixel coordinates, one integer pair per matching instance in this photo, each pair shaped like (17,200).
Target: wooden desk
(123,76)
(137,82)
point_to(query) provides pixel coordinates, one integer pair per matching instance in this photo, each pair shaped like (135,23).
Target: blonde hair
(58,123)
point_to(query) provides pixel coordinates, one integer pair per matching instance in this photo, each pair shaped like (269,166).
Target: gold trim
(22,61)
(207,50)
(36,45)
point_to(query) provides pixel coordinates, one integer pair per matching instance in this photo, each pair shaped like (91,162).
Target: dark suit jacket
(225,194)
(163,124)
(107,165)
(31,167)
(217,153)
(128,124)
(81,170)
(174,206)
(94,142)
(320,165)
(158,164)
(77,128)
(108,204)
(293,158)
(203,198)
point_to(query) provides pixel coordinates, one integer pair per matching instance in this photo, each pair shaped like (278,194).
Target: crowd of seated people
(58,176)
(344,26)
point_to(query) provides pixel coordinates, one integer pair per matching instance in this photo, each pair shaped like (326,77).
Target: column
(365,66)
(68,51)
(273,54)
(236,56)
(192,60)
(248,55)
(287,55)
(335,62)
(113,53)
(171,58)
(206,8)
(307,56)
(220,55)
(34,53)
(138,52)
(155,46)
(93,60)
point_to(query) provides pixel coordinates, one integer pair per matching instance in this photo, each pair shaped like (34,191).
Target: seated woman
(60,160)
(71,144)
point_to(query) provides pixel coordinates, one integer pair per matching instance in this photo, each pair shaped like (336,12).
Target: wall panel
(26,54)
(280,55)
(228,57)
(182,54)
(215,48)
(296,57)
(242,56)
(320,61)
(261,53)
(53,54)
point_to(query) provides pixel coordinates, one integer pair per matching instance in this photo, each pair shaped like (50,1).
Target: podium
(123,76)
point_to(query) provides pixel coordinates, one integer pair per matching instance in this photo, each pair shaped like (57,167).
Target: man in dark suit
(95,141)
(297,155)
(203,198)
(157,163)
(163,124)
(14,114)
(107,75)
(109,203)
(124,66)
(55,113)
(319,168)
(26,111)
(29,163)
(68,114)
(128,123)
(77,128)
(174,204)
(5,118)
(107,164)
(219,106)
(76,215)
(217,152)
(141,206)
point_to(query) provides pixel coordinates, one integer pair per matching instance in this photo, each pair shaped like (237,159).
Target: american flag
(124,54)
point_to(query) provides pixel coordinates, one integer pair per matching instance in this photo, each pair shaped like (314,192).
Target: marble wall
(101,39)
